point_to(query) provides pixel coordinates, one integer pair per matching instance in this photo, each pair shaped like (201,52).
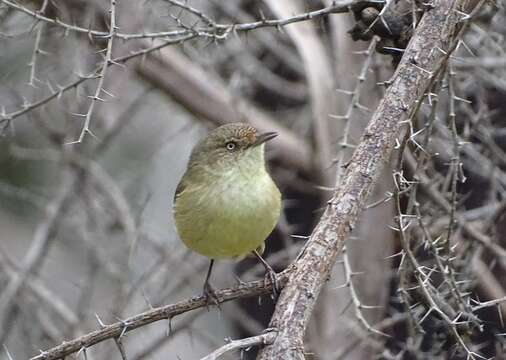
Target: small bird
(226,203)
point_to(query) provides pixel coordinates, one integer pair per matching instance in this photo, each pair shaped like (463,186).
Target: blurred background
(97,126)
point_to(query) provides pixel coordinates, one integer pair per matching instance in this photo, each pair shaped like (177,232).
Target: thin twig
(246,343)
(217,30)
(42,241)
(101,76)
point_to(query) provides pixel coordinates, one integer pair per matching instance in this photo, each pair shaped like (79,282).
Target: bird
(226,203)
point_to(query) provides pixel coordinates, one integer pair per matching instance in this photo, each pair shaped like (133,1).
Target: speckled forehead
(238,131)
(243,134)
(247,133)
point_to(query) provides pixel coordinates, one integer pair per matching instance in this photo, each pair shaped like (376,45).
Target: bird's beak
(263,137)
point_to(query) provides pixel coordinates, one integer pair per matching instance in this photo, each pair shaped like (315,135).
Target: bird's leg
(269,273)
(208,290)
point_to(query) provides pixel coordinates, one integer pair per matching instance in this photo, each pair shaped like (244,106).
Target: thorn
(92,134)
(125,325)
(82,351)
(394,49)
(95,98)
(102,325)
(422,69)
(347,92)
(339,117)
(107,93)
(78,141)
(345,285)
(465,16)
(9,356)
(300,237)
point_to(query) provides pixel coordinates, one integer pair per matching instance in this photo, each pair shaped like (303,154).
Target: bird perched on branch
(226,203)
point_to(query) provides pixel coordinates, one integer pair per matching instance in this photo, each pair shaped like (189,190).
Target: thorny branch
(213,29)
(259,340)
(354,104)
(43,239)
(167,312)
(447,139)
(422,59)
(101,76)
(217,31)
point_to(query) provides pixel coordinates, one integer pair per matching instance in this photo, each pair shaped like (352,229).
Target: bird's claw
(270,278)
(210,295)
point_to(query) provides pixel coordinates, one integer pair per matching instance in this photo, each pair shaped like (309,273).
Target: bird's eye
(231,146)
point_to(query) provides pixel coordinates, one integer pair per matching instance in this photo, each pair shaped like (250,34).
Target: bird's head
(230,145)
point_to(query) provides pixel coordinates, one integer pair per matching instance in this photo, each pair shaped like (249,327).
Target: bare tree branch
(118,329)
(42,242)
(222,29)
(422,59)
(100,91)
(441,202)
(259,340)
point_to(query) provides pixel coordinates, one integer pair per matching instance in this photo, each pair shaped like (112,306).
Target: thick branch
(118,329)
(423,57)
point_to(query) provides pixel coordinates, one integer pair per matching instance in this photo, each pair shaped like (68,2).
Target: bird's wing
(180,187)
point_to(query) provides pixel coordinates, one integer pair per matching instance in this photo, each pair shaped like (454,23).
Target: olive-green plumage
(226,204)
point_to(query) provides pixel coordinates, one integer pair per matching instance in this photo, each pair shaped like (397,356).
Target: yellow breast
(230,216)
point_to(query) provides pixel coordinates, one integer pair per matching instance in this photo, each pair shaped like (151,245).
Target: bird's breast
(230,215)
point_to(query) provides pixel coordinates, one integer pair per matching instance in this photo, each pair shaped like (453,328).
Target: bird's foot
(270,275)
(210,295)
(270,278)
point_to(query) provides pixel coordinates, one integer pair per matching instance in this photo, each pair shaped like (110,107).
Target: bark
(118,329)
(425,54)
